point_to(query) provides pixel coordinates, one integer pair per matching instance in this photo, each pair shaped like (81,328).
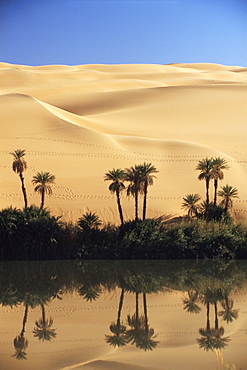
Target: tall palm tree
(219,164)
(133,175)
(19,165)
(43,182)
(42,329)
(190,203)
(205,166)
(227,193)
(117,176)
(89,221)
(146,172)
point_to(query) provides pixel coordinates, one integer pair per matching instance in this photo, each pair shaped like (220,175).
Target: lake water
(123,315)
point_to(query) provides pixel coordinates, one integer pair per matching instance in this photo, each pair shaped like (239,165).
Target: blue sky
(39,32)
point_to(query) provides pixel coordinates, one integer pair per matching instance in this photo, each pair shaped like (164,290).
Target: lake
(123,315)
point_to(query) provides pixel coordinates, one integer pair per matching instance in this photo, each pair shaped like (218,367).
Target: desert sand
(79,122)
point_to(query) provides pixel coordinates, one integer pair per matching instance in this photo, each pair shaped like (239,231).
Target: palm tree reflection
(42,329)
(211,338)
(191,303)
(139,332)
(119,338)
(90,292)
(228,314)
(20,344)
(20,341)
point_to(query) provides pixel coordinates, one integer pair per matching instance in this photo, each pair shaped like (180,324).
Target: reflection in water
(119,337)
(206,285)
(212,338)
(20,342)
(43,330)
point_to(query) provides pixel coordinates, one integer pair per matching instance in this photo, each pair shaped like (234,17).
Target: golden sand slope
(79,122)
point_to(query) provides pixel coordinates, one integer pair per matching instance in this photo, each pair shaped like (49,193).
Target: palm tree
(133,175)
(89,221)
(146,171)
(205,166)
(19,165)
(227,194)
(190,203)
(43,182)
(219,164)
(117,176)
(42,329)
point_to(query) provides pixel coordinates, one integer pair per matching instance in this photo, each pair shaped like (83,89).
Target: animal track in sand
(150,156)
(131,156)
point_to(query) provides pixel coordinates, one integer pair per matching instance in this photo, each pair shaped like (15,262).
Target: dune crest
(79,122)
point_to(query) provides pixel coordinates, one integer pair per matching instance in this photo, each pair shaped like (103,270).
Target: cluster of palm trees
(139,177)
(211,169)
(42,181)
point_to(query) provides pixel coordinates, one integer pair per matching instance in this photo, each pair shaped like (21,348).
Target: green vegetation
(208,230)
(33,233)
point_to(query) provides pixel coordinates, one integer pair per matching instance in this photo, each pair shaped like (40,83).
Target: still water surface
(155,315)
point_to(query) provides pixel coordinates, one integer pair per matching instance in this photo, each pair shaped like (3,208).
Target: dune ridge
(79,122)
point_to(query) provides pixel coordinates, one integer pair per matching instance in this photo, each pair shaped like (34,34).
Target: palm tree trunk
(215,191)
(145,200)
(23,189)
(24,320)
(119,207)
(207,191)
(227,205)
(42,198)
(136,203)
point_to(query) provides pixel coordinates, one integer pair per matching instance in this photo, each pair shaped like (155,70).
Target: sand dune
(79,122)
